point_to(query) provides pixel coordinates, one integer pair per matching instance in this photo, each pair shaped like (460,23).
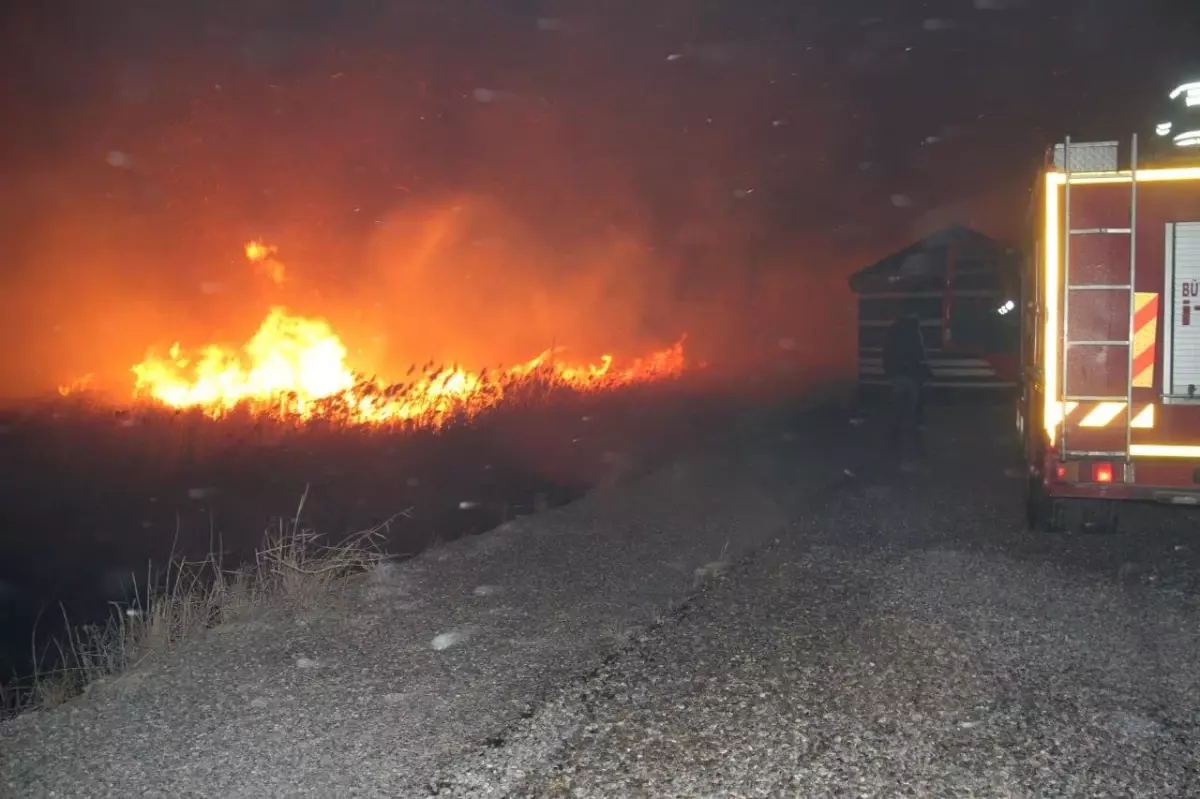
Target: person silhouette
(907,369)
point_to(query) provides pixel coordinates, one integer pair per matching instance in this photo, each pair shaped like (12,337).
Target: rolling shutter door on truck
(1184,283)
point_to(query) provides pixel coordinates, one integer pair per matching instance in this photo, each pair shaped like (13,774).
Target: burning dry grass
(293,570)
(284,418)
(295,368)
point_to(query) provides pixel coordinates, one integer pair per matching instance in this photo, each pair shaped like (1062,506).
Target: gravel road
(787,615)
(905,637)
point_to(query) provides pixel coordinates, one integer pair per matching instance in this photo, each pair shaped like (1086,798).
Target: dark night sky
(711,137)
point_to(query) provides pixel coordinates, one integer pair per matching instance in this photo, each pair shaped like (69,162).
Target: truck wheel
(1042,513)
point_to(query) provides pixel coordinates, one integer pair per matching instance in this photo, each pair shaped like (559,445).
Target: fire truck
(1109,410)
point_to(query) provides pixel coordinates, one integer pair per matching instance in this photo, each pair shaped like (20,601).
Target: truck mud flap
(1046,514)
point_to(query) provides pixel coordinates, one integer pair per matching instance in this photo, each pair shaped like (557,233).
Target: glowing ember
(263,257)
(294,366)
(80,385)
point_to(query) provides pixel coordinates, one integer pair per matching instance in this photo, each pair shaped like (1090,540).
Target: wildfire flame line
(294,367)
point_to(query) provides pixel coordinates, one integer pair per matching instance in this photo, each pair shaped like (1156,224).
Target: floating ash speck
(936,24)
(204,492)
(118,159)
(467,504)
(490,95)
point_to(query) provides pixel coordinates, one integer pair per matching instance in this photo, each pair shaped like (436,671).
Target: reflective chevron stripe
(1145,335)
(1107,414)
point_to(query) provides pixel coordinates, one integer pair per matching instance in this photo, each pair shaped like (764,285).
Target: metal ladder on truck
(1069,288)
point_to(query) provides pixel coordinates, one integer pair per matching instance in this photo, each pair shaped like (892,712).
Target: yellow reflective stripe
(1056,413)
(1145,418)
(1165,450)
(1143,176)
(1105,414)
(1102,414)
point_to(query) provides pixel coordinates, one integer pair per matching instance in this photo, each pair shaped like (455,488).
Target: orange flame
(295,367)
(294,364)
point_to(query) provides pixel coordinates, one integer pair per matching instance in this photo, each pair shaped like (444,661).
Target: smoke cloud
(466,188)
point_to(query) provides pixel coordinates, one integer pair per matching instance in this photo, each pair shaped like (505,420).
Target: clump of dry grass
(706,575)
(293,569)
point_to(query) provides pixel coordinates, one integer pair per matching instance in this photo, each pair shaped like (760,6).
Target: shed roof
(925,260)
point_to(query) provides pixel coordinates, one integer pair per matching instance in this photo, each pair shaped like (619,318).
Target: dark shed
(960,283)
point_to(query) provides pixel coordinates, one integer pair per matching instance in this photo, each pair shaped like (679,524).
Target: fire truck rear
(1110,406)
